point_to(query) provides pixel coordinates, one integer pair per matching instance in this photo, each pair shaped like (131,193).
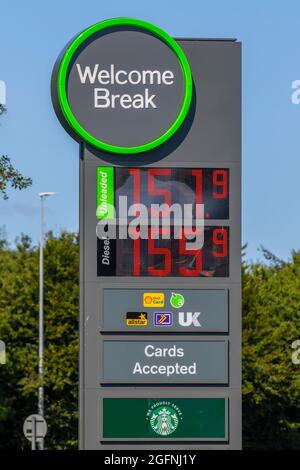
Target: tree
(271,382)
(271,323)
(19,285)
(8,174)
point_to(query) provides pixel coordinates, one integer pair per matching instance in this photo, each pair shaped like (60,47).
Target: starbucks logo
(164,420)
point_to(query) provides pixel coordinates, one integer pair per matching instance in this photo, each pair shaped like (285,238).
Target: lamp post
(41,312)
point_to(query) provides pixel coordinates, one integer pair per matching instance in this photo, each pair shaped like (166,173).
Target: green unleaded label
(105,192)
(155,418)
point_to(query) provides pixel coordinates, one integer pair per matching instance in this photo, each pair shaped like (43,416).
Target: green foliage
(19,288)
(271,382)
(8,174)
(271,322)
(3,238)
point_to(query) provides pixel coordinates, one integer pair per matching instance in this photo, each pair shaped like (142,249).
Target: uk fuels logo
(189,319)
(153,299)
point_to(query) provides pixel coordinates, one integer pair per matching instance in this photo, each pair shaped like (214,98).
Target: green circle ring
(62,82)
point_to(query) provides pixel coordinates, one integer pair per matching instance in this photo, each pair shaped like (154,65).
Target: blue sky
(33,33)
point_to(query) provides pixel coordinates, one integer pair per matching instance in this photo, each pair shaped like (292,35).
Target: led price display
(166,250)
(166,257)
(207,186)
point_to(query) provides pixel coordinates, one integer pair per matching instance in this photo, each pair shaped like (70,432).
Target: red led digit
(137,257)
(220,182)
(153,250)
(220,239)
(153,191)
(136,174)
(196,271)
(198,186)
(136,250)
(198,189)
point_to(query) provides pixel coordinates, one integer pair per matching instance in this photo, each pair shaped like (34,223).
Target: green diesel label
(160,418)
(105,192)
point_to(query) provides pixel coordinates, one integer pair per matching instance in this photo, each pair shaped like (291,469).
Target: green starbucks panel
(165,418)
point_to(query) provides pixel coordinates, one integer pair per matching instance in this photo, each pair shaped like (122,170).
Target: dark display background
(169,257)
(208,186)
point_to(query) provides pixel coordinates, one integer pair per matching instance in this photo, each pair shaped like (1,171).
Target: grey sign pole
(41,312)
(212,141)
(33,442)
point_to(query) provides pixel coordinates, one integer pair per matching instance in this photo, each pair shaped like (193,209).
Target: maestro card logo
(153,299)
(123,86)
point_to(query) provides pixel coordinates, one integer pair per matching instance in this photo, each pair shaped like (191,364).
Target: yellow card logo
(153,299)
(136,319)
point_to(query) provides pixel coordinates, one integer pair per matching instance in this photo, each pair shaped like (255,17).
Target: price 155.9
(168,257)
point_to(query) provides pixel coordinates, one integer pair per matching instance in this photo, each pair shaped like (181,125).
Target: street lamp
(41,313)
